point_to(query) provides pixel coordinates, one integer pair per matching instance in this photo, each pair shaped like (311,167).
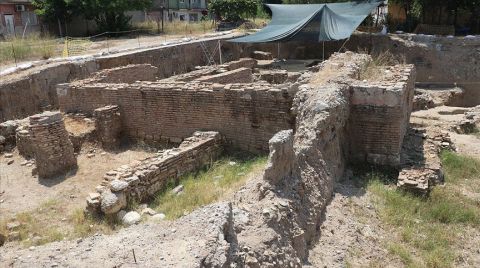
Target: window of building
(29,18)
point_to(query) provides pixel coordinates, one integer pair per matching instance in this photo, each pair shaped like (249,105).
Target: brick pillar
(108,126)
(52,148)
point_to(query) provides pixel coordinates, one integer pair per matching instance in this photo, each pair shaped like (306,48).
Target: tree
(110,14)
(56,11)
(233,10)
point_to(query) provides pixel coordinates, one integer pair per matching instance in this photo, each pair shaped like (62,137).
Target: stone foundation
(108,126)
(140,182)
(52,148)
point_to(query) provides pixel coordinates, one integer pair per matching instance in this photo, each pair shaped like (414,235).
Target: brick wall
(379,116)
(108,125)
(52,148)
(248,115)
(140,182)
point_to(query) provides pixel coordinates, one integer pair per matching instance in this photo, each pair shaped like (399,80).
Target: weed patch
(207,186)
(429,226)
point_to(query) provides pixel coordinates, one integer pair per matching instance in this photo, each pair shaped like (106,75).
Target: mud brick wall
(241,75)
(140,182)
(248,115)
(108,125)
(379,117)
(53,149)
(127,74)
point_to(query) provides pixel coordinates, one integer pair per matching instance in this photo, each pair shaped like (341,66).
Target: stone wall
(140,182)
(108,125)
(248,115)
(24,143)
(53,149)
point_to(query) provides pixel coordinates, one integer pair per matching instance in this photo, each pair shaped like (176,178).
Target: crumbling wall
(241,75)
(140,182)
(52,148)
(126,74)
(248,115)
(379,118)
(24,142)
(108,126)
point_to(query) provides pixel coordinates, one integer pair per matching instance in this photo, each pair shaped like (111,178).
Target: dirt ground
(24,192)
(352,234)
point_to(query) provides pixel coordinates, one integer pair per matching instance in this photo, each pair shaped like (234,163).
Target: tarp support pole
(278,50)
(344,43)
(323,50)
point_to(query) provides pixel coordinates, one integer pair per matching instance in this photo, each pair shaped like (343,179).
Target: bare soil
(24,192)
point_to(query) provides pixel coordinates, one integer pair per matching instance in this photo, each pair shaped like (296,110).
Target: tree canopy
(108,14)
(233,10)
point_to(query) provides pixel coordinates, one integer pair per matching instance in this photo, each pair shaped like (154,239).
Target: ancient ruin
(315,123)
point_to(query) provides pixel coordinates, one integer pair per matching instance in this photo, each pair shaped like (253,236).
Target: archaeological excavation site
(221,154)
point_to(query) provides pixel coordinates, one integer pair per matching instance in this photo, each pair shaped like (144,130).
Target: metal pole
(220,51)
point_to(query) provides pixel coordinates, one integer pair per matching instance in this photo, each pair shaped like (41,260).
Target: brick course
(248,115)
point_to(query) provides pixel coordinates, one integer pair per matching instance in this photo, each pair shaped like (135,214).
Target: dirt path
(24,192)
(351,233)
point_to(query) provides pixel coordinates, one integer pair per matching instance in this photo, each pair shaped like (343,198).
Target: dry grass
(31,47)
(372,70)
(177,27)
(50,222)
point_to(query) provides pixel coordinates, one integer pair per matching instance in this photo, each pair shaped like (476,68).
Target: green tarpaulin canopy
(312,22)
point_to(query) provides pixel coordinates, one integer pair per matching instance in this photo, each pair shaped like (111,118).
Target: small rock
(118,185)
(90,155)
(9,162)
(121,214)
(131,218)
(231,163)
(158,217)
(2,239)
(31,248)
(148,211)
(24,163)
(142,207)
(178,189)
(12,236)
(13,225)
(8,155)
